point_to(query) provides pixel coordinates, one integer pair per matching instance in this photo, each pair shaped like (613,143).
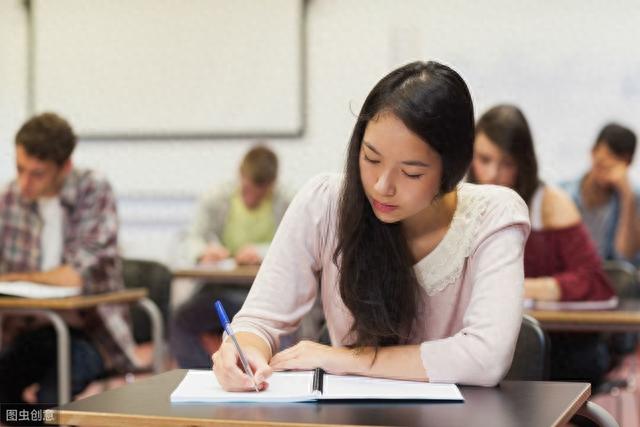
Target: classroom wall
(13,80)
(570,65)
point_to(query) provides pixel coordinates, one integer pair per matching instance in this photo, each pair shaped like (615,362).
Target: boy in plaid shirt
(58,226)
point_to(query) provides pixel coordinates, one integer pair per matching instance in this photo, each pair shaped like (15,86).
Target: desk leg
(63,344)
(64,356)
(156,333)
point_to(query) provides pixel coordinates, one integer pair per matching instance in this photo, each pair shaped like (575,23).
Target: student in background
(234,221)
(560,261)
(605,196)
(59,227)
(410,265)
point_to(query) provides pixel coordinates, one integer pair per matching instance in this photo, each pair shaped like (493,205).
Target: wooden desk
(241,275)
(15,306)
(74,303)
(146,403)
(624,318)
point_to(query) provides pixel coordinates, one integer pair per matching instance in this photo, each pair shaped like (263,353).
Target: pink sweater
(472,281)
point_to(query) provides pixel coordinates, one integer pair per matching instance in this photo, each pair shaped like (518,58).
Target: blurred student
(235,221)
(560,260)
(606,199)
(59,227)
(410,265)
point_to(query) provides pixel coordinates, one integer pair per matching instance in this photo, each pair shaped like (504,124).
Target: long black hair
(506,126)
(377,281)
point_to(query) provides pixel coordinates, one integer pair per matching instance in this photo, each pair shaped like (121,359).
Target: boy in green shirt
(232,221)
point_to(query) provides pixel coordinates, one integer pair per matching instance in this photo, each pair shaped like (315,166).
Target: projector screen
(177,68)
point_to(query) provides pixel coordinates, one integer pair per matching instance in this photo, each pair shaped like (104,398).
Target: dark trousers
(32,358)
(198,316)
(579,357)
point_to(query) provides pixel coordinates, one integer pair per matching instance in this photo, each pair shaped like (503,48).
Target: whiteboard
(170,67)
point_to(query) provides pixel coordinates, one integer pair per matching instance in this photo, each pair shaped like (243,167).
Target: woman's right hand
(230,373)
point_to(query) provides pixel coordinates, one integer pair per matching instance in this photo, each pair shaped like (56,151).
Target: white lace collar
(444,264)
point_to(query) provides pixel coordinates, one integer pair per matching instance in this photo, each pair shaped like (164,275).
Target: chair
(156,278)
(148,316)
(531,357)
(618,393)
(592,414)
(623,277)
(531,363)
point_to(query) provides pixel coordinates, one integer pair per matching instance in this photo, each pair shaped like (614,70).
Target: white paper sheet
(202,386)
(608,304)
(351,387)
(36,290)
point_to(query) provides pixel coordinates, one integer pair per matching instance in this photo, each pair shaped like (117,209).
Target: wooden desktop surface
(72,303)
(513,403)
(242,274)
(624,318)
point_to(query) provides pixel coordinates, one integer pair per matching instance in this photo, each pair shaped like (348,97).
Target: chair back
(531,357)
(624,278)
(156,278)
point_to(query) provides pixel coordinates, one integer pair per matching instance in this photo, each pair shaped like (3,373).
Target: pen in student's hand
(224,320)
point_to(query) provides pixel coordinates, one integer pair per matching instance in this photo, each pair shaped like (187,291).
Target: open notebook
(36,290)
(202,386)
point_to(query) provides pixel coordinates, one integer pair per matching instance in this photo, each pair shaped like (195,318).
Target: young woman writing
(421,277)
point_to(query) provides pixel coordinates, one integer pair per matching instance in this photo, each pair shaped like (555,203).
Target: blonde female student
(421,277)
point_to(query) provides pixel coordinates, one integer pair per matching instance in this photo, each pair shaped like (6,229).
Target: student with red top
(560,260)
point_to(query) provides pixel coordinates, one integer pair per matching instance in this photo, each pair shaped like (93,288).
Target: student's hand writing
(213,253)
(310,355)
(248,254)
(228,368)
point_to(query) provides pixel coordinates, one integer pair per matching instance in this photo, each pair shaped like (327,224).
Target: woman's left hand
(310,355)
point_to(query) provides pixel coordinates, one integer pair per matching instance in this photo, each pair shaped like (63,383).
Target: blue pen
(224,320)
